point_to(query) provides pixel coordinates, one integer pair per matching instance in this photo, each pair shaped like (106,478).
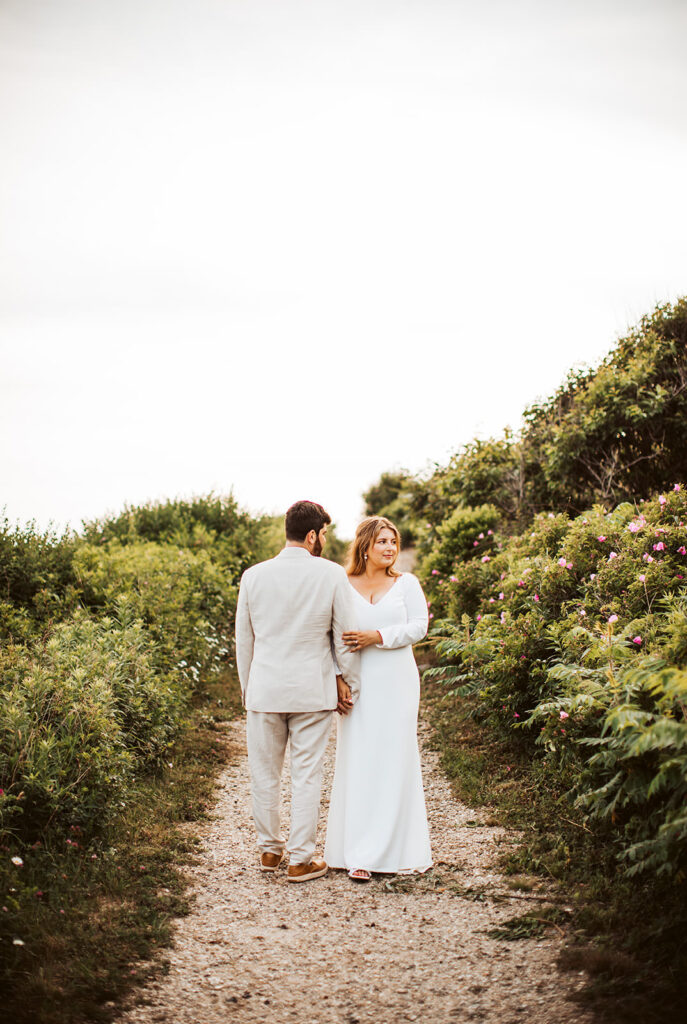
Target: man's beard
(317,548)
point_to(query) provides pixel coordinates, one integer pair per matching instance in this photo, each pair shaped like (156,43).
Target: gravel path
(256,948)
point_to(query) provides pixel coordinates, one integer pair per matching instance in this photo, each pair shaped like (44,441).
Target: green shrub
(574,635)
(183,597)
(79,714)
(36,578)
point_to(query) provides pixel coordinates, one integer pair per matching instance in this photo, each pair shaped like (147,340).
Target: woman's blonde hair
(365,536)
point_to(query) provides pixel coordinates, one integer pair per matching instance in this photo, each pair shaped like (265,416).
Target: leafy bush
(80,714)
(574,635)
(36,577)
(183,597)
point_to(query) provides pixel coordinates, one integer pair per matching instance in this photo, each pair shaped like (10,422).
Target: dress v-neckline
(373,604)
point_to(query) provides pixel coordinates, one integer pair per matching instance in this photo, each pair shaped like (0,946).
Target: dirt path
(256,948)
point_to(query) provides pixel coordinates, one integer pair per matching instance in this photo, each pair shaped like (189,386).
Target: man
(292,611)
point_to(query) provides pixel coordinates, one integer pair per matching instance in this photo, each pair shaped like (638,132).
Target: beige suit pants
(267,734)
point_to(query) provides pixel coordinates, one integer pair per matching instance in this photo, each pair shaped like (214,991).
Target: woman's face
(382,552)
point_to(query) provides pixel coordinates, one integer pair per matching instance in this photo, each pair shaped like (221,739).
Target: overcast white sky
(279,247)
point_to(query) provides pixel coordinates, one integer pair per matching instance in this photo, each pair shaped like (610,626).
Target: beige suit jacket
(291,613)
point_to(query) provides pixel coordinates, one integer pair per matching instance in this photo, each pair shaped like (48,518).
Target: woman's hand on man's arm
(356,640)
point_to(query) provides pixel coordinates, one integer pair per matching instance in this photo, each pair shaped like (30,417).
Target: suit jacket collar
(294,553)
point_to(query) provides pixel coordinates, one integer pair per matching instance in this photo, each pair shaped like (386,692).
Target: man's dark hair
(304,516)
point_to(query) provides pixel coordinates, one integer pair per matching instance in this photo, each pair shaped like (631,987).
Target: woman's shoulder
(410,580)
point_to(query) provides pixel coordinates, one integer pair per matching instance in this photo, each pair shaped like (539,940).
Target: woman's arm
(418,618)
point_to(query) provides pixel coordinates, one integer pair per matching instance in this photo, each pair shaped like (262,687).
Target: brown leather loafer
(270,861)
(304,872)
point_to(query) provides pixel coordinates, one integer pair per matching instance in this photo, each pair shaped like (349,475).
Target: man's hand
(343,692)
(357,640)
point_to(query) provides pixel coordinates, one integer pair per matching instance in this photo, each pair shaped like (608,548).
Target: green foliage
(210,523)
(109,635)
(36,577)
(183,597)
(79,715)
(607,435)
(574,635)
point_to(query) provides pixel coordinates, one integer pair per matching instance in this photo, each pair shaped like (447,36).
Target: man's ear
(310,538)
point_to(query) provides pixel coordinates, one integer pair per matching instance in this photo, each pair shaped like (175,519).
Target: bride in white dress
(377,818)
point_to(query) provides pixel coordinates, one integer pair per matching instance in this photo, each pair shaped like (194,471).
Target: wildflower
(642,577)
(601,537)
(612,555)
(582,612)
(479,617)
(475,543)
(431,615)
(2,792)
(503,575)
(507,767)
(486,558)
(516,715)
(39,893)
(634,527)
(491,600)
(592,576)
(454,579)
(536,597)
(490,533)
(563,714)
(17,861)
(612,618)
(661,500)
(435,572)
(501,596)
(480,536)
(521,583)
(562,562)
(636,640)
(503,617)
(676,488)
(660,546)
(682,550)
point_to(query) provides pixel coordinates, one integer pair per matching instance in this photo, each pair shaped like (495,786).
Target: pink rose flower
(636,640)
(536,597)
(563,715)
(601,537)
(612,618)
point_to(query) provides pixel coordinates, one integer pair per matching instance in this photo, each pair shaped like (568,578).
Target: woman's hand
(343,693)
(357,640)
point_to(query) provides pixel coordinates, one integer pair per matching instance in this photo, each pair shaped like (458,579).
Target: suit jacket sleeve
(245,638)
(403,633)
(343,619)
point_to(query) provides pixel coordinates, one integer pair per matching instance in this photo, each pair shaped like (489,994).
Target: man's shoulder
(257,569)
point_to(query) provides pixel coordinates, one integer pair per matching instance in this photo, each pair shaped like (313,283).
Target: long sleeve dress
(377,816)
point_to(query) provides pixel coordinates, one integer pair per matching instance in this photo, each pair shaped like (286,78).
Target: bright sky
(279,247)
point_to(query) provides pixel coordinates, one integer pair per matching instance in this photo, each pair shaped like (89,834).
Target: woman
(377,817)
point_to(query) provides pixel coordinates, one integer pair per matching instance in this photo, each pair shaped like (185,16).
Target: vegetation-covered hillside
(555,561)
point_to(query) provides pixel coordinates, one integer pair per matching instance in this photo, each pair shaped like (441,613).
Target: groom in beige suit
(295,671)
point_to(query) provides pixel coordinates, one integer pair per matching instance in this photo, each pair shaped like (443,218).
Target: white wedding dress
(377,817)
